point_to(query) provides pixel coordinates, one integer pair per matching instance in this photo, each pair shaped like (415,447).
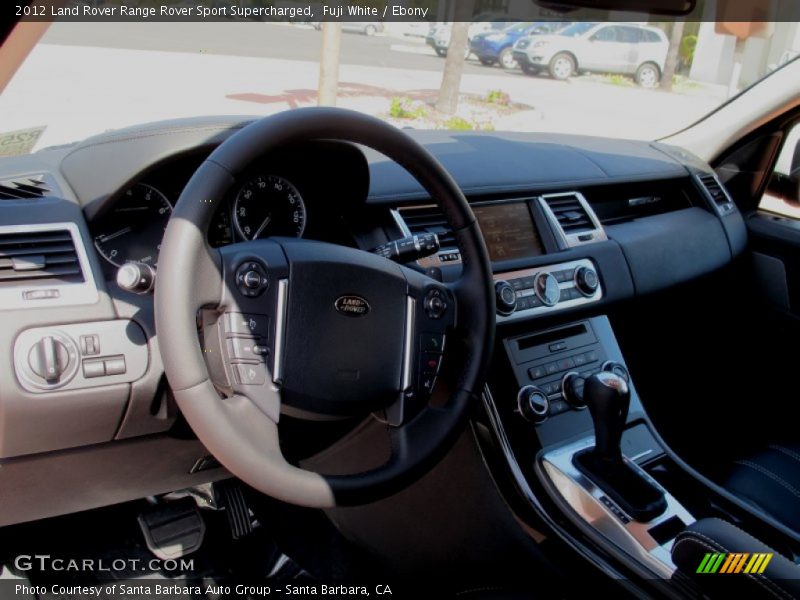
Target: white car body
(601,47)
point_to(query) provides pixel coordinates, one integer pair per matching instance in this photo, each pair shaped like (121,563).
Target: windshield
(84,78)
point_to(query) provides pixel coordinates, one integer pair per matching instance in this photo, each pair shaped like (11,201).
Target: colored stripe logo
(734,562)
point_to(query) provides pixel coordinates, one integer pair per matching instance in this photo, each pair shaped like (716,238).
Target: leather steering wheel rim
(242,433)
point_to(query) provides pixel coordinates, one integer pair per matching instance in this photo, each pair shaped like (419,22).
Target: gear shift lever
(608,397)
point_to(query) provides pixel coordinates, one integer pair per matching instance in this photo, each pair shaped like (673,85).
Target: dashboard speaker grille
(24,188)
(42,256)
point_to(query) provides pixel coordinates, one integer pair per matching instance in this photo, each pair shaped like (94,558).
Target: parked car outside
(622,48)
(365,27)
(438,37)
(497,46)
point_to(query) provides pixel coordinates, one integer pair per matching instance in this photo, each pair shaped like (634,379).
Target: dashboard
(573,225)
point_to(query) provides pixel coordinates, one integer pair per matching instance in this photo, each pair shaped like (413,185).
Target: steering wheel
(316,330)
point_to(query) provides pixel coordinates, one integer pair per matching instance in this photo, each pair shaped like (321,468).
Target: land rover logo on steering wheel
(352,306)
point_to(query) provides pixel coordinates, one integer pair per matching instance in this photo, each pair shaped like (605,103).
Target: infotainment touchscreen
(508,230)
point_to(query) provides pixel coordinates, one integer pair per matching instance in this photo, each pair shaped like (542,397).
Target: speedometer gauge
(269,205)
(132,230)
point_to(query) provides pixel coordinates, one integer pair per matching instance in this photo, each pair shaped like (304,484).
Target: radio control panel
(530,292)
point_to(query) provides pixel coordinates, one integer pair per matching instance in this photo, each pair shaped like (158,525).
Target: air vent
(43,256)
(713,188)
(573,219)
(24,188)
(429,219)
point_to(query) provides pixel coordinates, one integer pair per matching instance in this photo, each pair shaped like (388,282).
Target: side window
(783,191)
(629,35)
(606,34)
(651,37)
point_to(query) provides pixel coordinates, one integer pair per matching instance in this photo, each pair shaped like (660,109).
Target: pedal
(229,496)
(174,529)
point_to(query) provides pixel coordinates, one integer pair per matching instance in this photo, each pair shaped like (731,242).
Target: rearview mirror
(653,7)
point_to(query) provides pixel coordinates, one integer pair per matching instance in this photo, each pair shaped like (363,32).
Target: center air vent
(429,219)
(48,256)
(714,190)
(24,188)
(573,219)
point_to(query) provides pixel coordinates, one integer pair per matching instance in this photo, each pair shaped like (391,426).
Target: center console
(595,471)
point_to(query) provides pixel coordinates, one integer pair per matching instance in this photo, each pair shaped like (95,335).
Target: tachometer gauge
(269,205)
(132,230)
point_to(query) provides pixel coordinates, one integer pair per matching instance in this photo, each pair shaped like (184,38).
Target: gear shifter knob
(608,398)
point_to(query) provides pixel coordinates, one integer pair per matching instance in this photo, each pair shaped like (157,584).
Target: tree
(329,63)
(673,56)
(456,55)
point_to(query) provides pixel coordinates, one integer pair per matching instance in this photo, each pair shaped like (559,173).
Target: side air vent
(24,188)
(42,255)
(574,221)
(43,265)
(428,219)
(716,193)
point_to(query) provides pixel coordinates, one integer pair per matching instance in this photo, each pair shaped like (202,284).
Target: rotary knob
(49,359)
(572,390)
(547,290)
(533,404)
(136,277)
(618,369)
(505,298)
(586,281)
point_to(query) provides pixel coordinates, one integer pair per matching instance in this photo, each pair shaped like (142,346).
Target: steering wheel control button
(250,374)
(247,349)
(251,279)
(247,324)
(505,298)
(586,281)
(435,303)
(547,289)
(432,342)
(94,368)
(431,363)
(533,404)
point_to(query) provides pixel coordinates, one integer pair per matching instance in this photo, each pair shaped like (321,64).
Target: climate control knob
(533,404)
(547,290)
(586,281)
(572,390)
(505,298)
(619,369)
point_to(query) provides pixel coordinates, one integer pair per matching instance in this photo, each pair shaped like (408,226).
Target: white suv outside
(624,48)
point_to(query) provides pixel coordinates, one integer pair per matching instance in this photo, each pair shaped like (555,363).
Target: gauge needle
(263,226)
(111,236)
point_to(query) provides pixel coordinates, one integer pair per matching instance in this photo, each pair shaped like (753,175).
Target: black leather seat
(770,480)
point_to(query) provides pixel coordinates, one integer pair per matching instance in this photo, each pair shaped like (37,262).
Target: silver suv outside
(624,48)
